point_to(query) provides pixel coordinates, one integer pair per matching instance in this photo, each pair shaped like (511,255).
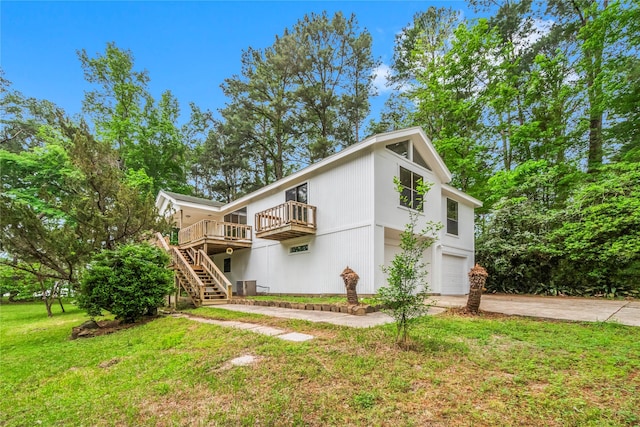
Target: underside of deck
(288,231)
(216,245)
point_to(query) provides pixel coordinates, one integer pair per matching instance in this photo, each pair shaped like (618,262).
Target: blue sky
(187,47)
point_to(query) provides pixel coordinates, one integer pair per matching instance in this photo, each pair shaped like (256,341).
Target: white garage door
(454,275)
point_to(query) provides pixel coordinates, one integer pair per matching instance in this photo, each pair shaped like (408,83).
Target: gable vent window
(452,217)
(299,249)
(417,159)
(401,148)
(409,196)
(408,150)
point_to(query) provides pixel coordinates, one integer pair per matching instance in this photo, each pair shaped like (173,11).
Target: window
(452,217)
(401,148)
(409,196)
(417,159)
(227,265)
(237,217)
(297,194)
(298,249)
(408,150)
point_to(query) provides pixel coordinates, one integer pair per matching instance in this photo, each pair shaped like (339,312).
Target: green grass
(462,371)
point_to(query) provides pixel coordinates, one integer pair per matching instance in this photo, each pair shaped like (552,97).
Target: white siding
(343,196)
(316,271)
(389,213)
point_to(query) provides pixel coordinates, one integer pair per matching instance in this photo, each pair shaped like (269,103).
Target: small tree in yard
(129,282)
(404,297)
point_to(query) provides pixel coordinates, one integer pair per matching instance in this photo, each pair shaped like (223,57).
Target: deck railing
(219,230)
(288,213)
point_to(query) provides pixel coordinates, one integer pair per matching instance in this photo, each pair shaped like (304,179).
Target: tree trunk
(48,303)
(350,282)
(477,279)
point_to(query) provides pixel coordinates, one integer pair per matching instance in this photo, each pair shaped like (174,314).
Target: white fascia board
(433,159)
(460,196)
(164,197)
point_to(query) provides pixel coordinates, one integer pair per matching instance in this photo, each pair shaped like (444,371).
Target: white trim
(460,196)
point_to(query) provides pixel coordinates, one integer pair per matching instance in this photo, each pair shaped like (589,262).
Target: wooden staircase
(211,292)
(196,273)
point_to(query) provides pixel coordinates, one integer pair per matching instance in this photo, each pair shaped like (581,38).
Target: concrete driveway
(562,308)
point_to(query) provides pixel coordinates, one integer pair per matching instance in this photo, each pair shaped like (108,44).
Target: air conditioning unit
(246,288)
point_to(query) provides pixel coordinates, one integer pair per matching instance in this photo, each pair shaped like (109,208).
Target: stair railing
(185,268)
(208,265)
(161,242)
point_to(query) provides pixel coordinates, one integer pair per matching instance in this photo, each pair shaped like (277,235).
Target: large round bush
(129,282)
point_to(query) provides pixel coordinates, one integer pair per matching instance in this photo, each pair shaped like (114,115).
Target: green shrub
(129,282)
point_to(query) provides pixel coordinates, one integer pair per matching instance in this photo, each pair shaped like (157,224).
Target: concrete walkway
(342,319)
(561,308)
(259,329)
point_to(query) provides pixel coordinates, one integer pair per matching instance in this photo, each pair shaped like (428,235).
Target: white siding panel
(314,272)
(387,201)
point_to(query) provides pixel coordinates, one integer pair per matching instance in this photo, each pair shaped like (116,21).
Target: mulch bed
(105,327)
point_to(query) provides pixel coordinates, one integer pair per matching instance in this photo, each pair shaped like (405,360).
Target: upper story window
(401,148)
(297,194)
(237,217)
(407,150)
(417,159)
(409,196)
(452,217)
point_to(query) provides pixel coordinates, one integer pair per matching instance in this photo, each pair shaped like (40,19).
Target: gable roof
(191,199)
(416,134)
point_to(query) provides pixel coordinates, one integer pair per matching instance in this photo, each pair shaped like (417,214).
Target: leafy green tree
(129,282)
(263,115)
(512,247)
(421,46)
(404,298)
(66,198)
(124,114)
(19,284)
(598,243)
(450,106)
(334,66)
(21,118)
(292,104)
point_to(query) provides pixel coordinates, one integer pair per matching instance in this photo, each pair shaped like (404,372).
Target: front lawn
(173,371)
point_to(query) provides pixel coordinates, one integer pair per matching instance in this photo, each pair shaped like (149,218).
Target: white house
(295,236)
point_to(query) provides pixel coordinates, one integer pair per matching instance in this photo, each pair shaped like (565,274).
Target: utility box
(246,288)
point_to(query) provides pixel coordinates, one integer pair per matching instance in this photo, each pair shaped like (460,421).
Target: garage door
(454,275)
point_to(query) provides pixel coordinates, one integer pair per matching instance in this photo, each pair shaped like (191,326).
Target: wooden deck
(286,221)
(215,236)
